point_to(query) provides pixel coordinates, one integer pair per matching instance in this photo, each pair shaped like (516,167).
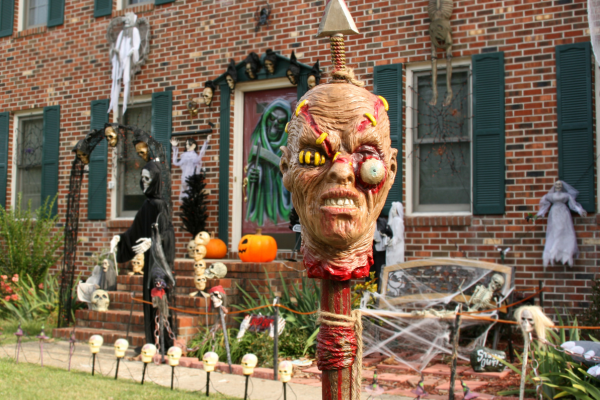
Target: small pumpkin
(216,248)
(257,248)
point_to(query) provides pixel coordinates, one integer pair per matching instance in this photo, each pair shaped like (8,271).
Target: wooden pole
(524,368)
(275,340)
(455,351)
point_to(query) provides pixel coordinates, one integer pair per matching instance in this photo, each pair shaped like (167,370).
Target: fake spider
(262,16)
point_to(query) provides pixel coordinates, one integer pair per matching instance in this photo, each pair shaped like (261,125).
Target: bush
(29,241)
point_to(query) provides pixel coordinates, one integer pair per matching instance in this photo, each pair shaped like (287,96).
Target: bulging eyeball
(372,171)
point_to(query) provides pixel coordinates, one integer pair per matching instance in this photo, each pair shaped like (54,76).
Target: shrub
(29,241)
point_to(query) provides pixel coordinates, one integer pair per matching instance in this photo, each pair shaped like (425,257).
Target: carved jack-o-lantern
(257,248)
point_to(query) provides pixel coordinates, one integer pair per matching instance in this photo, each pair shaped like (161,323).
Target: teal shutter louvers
(102,8)
(488,134)
(56,12)
(575,120)
(162,116)
(4,133)
(97,185)
(50,155)
(388,84)
(7,17)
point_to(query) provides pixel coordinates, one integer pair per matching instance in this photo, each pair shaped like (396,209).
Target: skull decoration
(314,77)
(270,61)
(496,283)
(199,252)
(121,346)
(293,71)
(85,158)
(209,361)
(533,320)
(100,300)
(216,271)
(218,297)
(527,323)
(174,354)
(82,151)
(249,362)
(285,371)
(137,264)
(339,198)
(199,267)
(230,82)
(558,186)
(111,136)
(202,238)
(146,179)
(95,343)
(209,92)
(200,282)
(252,66)
(231,76)
(191,247)
(148,352)
(143,151)
(311,81)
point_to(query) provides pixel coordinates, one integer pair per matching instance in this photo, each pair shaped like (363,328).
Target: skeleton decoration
(129,39)
(111,135)
(82,151)
(137,265)
(533,320)
(191,247)
(484,297)
(262,16)
(100,300)
(216,271)
(314,77)
(209,91)
(231,76)
(293,71)
(440,34)
(270,62)
(202,238)
(252,66)
(142,150)
(561,241)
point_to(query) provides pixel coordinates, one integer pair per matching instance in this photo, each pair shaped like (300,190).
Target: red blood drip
(321,269)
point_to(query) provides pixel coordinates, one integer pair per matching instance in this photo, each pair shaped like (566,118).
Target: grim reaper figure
(129,46)
(440,33)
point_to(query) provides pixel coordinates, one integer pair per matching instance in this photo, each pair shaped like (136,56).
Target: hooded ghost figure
(395,250)
(142,228)
(100,280)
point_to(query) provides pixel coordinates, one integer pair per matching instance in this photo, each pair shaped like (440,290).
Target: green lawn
(8,327)
(28,381)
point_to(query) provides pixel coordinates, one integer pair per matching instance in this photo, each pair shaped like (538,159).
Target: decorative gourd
(216,248)
(257,248)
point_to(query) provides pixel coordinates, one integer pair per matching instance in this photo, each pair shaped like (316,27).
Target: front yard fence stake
(455,351)
(275,341)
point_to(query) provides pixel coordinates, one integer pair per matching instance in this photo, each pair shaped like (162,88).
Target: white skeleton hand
(113,243)
(143,246)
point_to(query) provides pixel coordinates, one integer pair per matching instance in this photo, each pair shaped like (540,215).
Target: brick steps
(118,320)
(122,301)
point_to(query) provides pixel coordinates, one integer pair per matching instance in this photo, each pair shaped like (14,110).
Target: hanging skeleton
(129,46)
(440,33)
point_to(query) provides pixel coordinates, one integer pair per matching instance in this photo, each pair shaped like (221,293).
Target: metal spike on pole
(336,23)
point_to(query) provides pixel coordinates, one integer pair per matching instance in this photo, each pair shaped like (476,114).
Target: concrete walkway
(57,354)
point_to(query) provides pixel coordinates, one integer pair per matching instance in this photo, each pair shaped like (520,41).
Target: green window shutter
(388,84)
(163,1)
(4,131)
(302,85)
(50,154)
(56,12)
(102,8)
(224,121)
(97,191)
(162,114)
(7,16)
(488,134)
(575,129)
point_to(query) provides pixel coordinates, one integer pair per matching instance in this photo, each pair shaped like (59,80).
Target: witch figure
(137,239)
(561,242)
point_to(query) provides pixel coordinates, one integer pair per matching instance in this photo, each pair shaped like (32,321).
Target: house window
(36,13)
(441,150)
(134,2)
(130,196)
(30,139)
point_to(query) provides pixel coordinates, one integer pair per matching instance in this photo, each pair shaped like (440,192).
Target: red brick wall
(192,41)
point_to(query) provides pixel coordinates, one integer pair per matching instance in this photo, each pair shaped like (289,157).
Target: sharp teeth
(346,202)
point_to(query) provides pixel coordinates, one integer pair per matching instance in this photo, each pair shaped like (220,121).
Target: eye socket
(312,158)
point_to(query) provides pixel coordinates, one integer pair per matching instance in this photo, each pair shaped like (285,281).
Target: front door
(267,203)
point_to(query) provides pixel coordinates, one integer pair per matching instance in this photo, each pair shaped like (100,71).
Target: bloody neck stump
(339,166)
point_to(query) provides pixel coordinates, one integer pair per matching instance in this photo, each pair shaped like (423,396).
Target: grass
(27,381)
(8,327)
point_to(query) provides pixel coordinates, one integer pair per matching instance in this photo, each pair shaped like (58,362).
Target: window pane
(130,165)
(38,13)
(29,162)
(139,1)
(444,173)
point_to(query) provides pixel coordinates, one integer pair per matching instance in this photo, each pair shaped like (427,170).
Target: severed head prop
(82,151)
(339,167)
(533,320)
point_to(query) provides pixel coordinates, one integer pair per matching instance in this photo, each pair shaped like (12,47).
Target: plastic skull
(285,371)
(527,322)
(148,352)
(95,343)
(209,361)
(142,150)
(200,282)
(199,252)
(174,354)
(216,271)
(202,238)
(199,267)
(111,136)
(137,264)
(230,82)
(146,179)
(207,95)
(121,346)
(249,362)
(191,247)
(85,158)
(100,300)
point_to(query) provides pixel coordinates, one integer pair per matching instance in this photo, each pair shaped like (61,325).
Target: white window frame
(411,70)
(113,184)
(22,15)
(122,4)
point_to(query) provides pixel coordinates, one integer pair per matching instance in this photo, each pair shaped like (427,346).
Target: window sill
(141,8)
(124,223)
(31,31)
(439,220)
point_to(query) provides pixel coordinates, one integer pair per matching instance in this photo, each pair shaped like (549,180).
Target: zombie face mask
(339,167)
(111,136)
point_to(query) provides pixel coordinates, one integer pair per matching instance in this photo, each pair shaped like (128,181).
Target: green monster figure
(266,194)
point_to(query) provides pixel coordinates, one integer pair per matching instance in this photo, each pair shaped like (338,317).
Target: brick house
(522,115)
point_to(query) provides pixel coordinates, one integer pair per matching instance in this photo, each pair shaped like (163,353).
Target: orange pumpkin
(216,248)
(257,248)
